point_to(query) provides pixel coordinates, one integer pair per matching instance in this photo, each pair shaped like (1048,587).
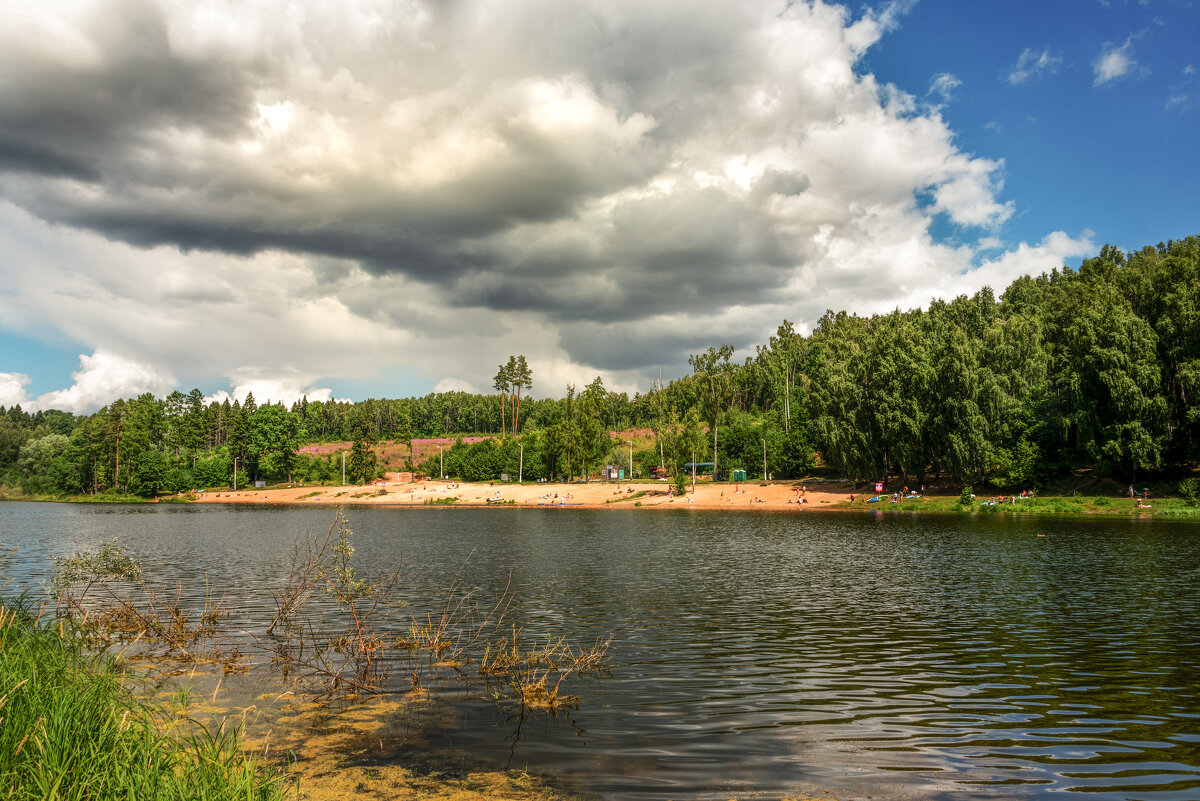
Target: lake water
(760,654)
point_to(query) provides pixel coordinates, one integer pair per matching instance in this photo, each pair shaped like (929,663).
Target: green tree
(151,475)
(363,464)
(521,377)
(502,382)
(1111,380)
(274,431)
(36,462)
(713,373)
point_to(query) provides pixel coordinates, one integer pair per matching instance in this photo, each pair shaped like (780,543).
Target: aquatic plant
(332,631)
(532,673)
(126,605)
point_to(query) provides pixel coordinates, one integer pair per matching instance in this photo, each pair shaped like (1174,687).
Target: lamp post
(764,459)
(521,463)
(630,459)
(441,462)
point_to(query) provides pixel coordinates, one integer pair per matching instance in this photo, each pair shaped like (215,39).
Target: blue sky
(381,200)
(1117,157)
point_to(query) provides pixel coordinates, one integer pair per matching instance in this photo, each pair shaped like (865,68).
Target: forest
(1094,368)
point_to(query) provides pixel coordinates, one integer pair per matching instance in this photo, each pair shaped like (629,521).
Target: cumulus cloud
(102,378)
(272,390)
(277,200)
(1032,64)
(12,389)
(1114,62)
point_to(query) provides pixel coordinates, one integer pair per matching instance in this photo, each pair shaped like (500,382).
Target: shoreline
(779,497)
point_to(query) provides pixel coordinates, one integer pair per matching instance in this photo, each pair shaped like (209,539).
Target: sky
(384,198)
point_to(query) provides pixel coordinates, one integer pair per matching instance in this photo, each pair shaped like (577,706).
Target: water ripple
(881,655)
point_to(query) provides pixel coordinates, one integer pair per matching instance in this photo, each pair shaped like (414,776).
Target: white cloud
(1055,250)
(102,378)
(12,389)
(943,85)
(1032,64)
(969,196)
(272,390)
(1114,62)
(455,385)
(271,202)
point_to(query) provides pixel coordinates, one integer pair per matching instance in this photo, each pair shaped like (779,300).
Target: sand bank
(777,496)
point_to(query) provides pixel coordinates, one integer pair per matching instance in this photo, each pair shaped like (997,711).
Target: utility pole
(343,468)
(764,459)
(693,471)
(630,459)
(441,462)
(521,463)
(235,474)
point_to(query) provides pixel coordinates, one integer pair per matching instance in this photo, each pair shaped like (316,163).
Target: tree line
(1097,367)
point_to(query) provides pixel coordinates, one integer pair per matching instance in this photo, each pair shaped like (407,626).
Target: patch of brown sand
(774,496)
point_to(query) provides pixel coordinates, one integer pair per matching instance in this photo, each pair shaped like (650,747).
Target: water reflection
(882,655)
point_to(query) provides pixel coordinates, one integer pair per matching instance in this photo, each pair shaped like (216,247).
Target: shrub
(967,495)
(1189,490)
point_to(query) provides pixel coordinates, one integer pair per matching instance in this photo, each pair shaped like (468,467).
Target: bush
(1189,490)
(967,495)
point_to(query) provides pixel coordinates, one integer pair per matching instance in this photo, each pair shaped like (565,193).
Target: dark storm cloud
(583,168)
(107,123)
(75,119)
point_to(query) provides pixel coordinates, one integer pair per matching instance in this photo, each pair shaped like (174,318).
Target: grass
(70,729)
(8,493)
(441,501)
(1045,505)
(629,497)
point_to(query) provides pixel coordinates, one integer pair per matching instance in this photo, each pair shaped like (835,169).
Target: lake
(858,654)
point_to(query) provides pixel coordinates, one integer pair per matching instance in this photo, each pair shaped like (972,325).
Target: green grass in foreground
(69,729)
(1047,505)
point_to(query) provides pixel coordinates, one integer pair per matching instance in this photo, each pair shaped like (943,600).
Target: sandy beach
(777,496)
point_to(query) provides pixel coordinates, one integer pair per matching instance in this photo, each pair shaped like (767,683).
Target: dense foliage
(1096,367)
